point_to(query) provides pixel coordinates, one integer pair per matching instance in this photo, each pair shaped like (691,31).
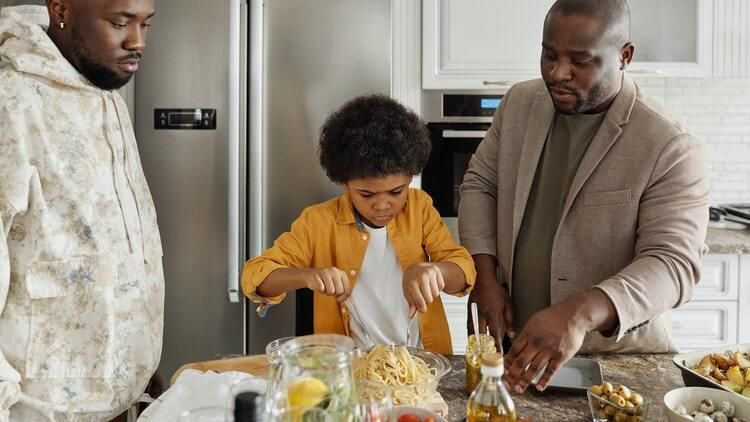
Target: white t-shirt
(379,298)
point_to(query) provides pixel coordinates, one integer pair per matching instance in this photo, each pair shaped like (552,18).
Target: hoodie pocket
(72,312)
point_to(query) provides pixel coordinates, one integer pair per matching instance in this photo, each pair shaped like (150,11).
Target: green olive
(617,399)
(596,389)
(637,399)
(607,388)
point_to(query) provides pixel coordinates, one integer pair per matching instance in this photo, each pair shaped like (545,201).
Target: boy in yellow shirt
(379,253)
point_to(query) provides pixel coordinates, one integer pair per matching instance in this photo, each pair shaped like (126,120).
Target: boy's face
(379,199)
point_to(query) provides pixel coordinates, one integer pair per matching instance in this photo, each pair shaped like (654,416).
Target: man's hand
(422,283)
(551,337)
(554,335)
(493,302)
(328,281)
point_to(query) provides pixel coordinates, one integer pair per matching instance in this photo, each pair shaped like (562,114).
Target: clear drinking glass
(301,413)
(374,401)
(207,414)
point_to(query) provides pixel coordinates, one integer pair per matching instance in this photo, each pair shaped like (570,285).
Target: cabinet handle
(472,134)
(499,83)
(645,71)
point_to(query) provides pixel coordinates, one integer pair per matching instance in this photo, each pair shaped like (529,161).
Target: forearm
(593,310)
(282,280)
(486,266)
(453,276)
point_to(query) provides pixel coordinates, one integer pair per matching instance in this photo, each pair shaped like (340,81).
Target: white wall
(717,111)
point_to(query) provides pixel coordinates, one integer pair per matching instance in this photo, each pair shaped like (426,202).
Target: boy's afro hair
(373,136)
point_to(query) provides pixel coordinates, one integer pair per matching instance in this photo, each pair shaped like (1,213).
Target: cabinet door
(455,311)
(481,43)
(672,37)
(719,278)
(702,325)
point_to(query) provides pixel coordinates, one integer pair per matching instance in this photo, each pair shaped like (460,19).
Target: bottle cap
(492,359)
(492,364)
(248,406)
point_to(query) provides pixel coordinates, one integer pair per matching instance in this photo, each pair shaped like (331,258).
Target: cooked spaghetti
(407,375)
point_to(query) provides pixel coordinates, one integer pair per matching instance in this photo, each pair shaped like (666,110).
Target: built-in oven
(458,121)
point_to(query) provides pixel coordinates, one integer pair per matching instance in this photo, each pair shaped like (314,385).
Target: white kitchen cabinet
(720,278)
(703,325)
(715,314)
(743,327)
(494,43)
(455,310)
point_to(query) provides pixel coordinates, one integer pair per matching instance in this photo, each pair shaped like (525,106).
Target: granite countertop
(728,241)
(652,375)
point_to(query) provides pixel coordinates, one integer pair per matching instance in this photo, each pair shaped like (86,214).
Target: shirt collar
(347,214)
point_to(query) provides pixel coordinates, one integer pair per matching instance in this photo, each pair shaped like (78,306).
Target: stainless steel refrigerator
(228,104)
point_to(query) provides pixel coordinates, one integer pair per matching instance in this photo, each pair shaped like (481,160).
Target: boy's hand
(328,281)
(422,283)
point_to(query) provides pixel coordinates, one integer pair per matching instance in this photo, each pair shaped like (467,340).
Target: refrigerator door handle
(237,149)
(256,129)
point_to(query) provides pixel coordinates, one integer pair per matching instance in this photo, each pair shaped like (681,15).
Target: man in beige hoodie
(81,281)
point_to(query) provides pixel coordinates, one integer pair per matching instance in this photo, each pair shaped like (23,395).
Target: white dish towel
(194,389)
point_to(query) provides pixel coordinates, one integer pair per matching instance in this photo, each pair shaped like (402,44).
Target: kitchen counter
(728,241)
(651,375)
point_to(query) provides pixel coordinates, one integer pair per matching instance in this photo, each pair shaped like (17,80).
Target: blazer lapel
(540,120)
(606,136)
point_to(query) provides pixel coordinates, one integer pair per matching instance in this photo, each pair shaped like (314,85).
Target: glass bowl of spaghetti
(412,374)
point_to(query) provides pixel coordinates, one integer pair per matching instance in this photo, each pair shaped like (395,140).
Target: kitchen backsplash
(717,111)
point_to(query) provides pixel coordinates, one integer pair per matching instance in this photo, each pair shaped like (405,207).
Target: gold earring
(62,25)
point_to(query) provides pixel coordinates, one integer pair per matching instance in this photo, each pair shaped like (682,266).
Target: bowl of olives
(617,403)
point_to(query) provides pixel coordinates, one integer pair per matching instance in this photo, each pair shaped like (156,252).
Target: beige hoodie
(81,281)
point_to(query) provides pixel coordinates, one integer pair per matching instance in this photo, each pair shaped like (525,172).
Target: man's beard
(583,104)
(586,103)
(96,73)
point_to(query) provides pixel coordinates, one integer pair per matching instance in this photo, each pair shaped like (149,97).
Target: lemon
(307,392)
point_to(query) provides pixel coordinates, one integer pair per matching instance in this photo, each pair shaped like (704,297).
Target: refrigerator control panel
(185,118)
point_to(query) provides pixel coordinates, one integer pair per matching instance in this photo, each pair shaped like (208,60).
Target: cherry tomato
(428,419)
(408,417)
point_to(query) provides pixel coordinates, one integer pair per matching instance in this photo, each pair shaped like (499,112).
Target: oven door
(453,144)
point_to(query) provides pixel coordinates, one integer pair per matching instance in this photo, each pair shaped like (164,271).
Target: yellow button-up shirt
(331,235)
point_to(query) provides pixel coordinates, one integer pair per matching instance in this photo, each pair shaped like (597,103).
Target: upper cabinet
(672,37)
(482,44)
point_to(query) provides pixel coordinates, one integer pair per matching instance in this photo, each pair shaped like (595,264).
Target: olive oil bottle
(490,401)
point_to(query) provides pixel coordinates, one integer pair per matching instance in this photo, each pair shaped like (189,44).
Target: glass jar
(474,352)
(274,398)
(317,373)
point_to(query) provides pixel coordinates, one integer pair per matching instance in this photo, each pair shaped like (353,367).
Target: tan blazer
(634,221)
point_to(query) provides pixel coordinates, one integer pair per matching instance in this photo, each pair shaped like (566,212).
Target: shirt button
(364,237)
(352,272)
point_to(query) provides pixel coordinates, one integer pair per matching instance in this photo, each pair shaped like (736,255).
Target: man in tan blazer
(585,207)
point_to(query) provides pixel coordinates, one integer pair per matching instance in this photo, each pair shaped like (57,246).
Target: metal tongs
(349,302)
